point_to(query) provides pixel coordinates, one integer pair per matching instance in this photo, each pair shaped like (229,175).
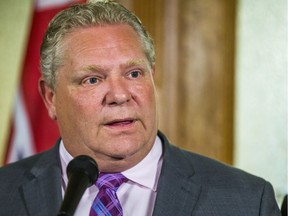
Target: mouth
(120,122)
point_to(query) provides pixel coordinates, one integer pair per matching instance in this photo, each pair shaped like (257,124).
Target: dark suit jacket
(189,184)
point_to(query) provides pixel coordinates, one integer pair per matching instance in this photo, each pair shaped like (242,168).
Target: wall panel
(194,71)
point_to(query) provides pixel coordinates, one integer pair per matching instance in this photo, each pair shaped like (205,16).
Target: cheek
(86,105)
(147,95)
(76,105)
(147,101)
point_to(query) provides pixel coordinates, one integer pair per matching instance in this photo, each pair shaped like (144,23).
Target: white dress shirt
(137,196)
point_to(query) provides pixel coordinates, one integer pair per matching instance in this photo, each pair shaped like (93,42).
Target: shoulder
(218,182)
(213,171)
(20,170)
(207,171)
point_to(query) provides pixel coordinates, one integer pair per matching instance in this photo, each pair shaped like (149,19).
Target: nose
(118,92)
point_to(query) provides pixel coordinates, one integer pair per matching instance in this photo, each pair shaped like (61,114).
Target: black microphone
(82,172)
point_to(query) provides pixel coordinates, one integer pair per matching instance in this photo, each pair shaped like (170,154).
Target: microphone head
(85,165)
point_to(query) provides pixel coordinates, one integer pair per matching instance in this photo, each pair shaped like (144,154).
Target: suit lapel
(176,192)
(42,191)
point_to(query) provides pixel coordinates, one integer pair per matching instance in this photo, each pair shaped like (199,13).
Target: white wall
(261,91)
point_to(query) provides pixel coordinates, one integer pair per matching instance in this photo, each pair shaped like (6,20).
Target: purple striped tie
(106,202)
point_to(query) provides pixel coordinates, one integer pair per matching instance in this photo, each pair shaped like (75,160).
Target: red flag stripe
(43,131)
(22,141)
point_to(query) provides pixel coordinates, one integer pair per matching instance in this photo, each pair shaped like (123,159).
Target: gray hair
(86,15)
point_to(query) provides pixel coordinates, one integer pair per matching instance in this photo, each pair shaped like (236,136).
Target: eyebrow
(135,63)
(97,68)
(92,68)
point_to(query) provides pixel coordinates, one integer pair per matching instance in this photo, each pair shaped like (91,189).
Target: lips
(120,122)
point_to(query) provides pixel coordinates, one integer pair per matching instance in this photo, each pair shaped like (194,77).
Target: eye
(134,74)
(91,81)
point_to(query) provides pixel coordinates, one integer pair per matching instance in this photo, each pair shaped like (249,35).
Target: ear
(48,96)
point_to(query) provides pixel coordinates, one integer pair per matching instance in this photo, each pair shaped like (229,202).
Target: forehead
(102,43)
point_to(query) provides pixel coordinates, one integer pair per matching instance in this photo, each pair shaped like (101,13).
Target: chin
(125,153)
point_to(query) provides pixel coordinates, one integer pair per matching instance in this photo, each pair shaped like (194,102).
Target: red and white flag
(32,131)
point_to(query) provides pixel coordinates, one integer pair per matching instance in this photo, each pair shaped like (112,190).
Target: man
(97,65)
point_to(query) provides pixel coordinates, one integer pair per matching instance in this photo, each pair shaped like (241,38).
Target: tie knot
(110,180)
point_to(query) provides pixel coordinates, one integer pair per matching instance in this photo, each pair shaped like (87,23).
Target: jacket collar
(41,192)
(177,194)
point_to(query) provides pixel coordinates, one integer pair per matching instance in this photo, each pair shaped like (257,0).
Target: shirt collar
(145,173)
(65,158)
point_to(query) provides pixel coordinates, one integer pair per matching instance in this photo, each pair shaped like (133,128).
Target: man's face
(104,99)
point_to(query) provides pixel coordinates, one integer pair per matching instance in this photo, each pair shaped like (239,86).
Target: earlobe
(47,95)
